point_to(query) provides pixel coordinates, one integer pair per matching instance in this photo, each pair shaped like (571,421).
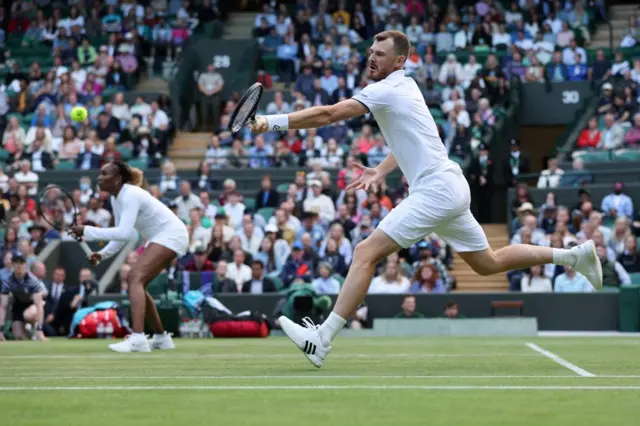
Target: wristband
(278,122)
(38,327)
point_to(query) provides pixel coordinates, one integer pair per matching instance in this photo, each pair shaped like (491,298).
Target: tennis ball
(79,114)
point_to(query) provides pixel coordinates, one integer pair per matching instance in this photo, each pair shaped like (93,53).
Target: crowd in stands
(611,225)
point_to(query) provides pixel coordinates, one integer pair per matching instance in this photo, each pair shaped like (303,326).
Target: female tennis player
(167,237)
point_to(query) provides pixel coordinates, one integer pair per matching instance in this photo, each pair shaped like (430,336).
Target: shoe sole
(163,348)
(296,345)
(596,261)
(127,352)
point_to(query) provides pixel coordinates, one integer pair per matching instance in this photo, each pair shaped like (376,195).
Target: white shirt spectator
(555,24)
(469,72)
(26,178)
(238,273)
(619,68)
(532,28)
(501,38)
(530,284)
(235,213)
(216,157)
(323,204)
(252,244)
(569,56)
(549,179)
(142,109)
(381,285)
(576,284)
(328,285)
(413,33)
(450,69)
(524,44)
(511,17)
(160,118)
(185,205)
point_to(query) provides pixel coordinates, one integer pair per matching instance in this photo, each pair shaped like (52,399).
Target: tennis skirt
(175,238)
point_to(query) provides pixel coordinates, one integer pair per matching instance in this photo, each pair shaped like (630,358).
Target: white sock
(564,257)
(332,326)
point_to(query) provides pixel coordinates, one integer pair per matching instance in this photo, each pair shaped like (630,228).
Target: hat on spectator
(297,246)
(18,259)
(425,245)
(526,207)
(315,182)
(36,227)
(312,211)
(271,228)
(607,86)
(325,265)
(229,182)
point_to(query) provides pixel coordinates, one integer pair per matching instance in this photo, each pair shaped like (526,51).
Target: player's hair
(401,43)
(130,175)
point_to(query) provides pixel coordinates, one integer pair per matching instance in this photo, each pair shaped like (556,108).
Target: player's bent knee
(365,254)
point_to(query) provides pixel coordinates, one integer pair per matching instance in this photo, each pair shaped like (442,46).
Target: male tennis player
(438,200)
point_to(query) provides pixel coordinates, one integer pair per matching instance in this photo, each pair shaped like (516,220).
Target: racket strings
(54,206)
(246,109)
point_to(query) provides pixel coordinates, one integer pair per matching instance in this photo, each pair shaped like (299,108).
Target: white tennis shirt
(134,210)
(407,125)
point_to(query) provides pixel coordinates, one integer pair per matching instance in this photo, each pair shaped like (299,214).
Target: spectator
(556,70)
(451,311)
(267,197)
(612,135)
(617,204)
(572,282)
(409,309)
(320,201)
(186,201)
(26,177)
(515,164)
(535,282)
(295,267)
(391,281)
(325,283)
(630,258)
(426,280)
(238,271)
(258,283)
(600,68)
(613,273)
(550,178)
(589,137)
(632,137)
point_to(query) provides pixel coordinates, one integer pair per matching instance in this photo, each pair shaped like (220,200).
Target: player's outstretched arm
(310,118)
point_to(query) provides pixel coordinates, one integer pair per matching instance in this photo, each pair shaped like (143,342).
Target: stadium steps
(468,280)
(619,14)
(188,149)
(239,26)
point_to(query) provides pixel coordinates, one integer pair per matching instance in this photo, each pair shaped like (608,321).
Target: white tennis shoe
(132,343)
(308,339)
(162,341)
(588,263)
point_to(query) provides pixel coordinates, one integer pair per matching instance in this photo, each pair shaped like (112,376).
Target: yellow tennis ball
(79,114)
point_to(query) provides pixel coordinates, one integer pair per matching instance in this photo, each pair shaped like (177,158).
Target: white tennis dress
(135,210)
(439,195)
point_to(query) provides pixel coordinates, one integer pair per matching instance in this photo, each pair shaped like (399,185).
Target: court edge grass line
(310,387)
(579,371)
(304,377)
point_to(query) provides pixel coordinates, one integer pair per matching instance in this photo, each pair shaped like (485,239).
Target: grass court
(382,381)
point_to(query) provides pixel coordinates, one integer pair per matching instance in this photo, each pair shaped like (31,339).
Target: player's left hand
(41,337)
(77,231)
(260,125)
(95,258)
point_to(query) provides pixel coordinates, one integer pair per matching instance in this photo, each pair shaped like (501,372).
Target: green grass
(404,381)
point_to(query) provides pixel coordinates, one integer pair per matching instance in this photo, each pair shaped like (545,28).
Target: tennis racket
(245,112)
(52,203)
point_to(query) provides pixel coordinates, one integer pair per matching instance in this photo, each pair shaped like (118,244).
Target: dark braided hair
(130,175)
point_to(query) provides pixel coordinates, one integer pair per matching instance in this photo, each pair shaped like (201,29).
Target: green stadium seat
(126,152)
(456,159)
(250,203)
(277,281)
(159,285)
(1,234)
(4,155)
(626,156)
(266,212)
(283,188)
(340,278)
(65,165)
(595,156)
(635,278)
(139,164)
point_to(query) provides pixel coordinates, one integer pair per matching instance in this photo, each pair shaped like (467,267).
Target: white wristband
(278,122)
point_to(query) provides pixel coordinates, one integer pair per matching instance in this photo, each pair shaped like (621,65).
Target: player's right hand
(369,178)
(260,124)
(95,258)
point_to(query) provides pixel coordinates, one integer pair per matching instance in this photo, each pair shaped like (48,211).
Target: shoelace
(309,323)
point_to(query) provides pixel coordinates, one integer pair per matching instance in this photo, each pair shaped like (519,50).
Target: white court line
(579,371)
(297,377)
(331,387)
(259,356)
(4,377)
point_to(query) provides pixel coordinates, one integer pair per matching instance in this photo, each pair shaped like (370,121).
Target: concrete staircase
(153,84)
(468,280)
(188,149)
(239,26)
(619,15)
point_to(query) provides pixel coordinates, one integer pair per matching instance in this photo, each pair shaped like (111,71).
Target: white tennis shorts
(439,204)
(175,238)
